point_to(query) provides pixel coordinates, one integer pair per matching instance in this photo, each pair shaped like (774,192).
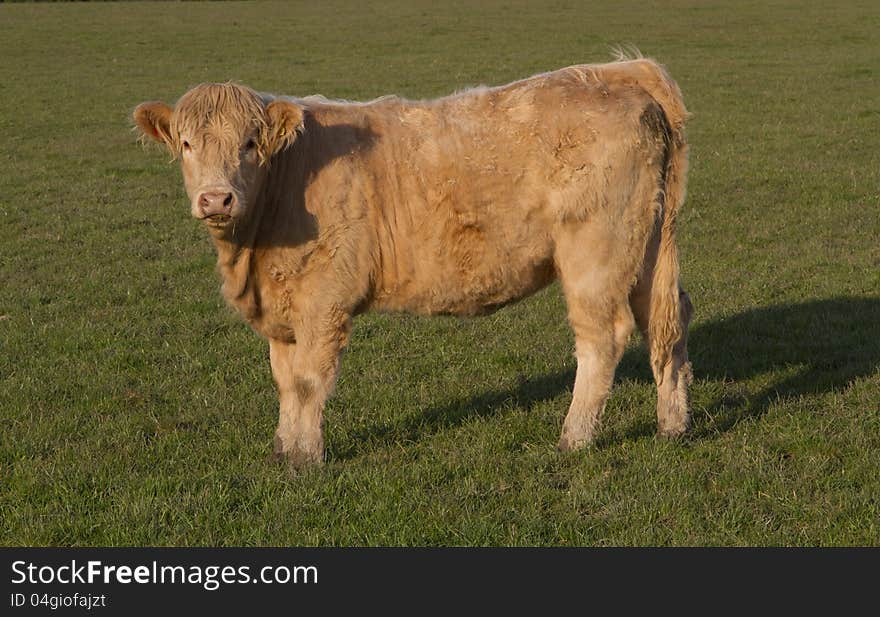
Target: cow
(321,210)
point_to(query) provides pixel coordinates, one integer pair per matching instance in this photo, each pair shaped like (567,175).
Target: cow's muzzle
(216,207)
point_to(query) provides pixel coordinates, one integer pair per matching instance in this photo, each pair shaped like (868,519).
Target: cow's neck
(235,262)
(236,248)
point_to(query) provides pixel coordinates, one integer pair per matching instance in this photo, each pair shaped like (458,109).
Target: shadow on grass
(421,424)
(816,347)
(821,346)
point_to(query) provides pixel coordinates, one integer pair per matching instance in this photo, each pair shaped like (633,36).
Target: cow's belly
(486,292)
(471,276)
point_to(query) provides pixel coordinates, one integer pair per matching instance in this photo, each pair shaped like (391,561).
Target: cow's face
(224,136)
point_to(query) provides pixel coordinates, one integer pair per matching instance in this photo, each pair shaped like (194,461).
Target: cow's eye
(250,145)
(186,146)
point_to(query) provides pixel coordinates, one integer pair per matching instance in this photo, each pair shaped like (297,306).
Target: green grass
(137,409)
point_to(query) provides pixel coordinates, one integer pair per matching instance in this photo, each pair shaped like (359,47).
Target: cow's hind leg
(672,371)
(673,402)
(595,274)
(601,334)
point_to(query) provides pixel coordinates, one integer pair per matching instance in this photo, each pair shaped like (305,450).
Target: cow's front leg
(305,373)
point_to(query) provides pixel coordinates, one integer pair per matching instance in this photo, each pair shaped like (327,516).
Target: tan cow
(321,210)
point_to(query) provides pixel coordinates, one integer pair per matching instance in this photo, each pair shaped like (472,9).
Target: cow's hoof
(277,455)
(301,459)
(568,443)
(300,454)
(675,432)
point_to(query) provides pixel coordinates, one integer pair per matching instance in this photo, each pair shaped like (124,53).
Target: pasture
(137,409)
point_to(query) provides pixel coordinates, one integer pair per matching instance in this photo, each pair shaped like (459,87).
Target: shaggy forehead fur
(223,111)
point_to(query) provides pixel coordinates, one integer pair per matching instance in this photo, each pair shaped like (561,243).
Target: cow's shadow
(816,346)
(802,349)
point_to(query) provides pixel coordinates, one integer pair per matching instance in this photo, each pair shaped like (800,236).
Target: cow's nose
(212,204)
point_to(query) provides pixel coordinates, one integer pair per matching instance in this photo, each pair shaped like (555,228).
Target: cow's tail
(670,307)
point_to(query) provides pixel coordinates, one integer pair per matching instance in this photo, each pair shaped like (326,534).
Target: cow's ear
(154,121)
(284,121)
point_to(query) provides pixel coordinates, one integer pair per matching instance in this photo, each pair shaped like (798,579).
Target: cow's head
(224,136)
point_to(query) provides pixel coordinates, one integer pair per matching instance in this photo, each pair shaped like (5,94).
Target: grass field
(136,409)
